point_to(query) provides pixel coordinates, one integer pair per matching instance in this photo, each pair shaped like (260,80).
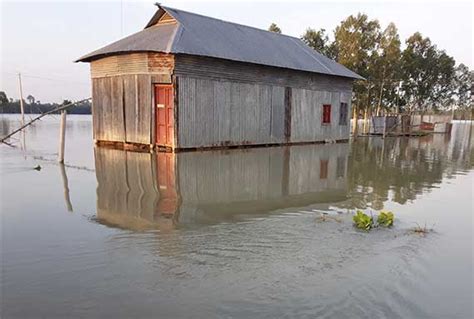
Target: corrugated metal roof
(204,36)
(157,38)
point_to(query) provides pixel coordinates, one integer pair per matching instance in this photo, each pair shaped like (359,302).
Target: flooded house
(189,81)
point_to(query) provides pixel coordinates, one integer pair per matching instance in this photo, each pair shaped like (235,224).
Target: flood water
(235,234)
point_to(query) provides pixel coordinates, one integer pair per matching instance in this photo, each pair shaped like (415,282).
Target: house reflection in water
(140,191)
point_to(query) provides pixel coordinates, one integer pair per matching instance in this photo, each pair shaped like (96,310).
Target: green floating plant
(363,221)
(385,219)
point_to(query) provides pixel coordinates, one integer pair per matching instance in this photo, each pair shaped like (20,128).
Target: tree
(274,28)
(3,98)
(319,41)
(443,90)
(427,74)
(31,99)
(386,71)
(356,43)
(463,80)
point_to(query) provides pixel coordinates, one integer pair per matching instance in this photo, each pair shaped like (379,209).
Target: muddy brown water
(235,234)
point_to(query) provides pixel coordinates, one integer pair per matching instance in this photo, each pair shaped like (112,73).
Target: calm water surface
(235,234)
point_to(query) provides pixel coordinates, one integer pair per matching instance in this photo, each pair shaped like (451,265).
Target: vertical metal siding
(307,105)
(217,113)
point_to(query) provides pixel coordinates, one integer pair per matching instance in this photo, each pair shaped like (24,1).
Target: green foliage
(463,81)
(3,98)
(31,99)
(319,41)
(363,221)
(387,69)
(356,41)
(39,107)
(274,28)
(427,73)
(419,78)
(385,219)
(366,222)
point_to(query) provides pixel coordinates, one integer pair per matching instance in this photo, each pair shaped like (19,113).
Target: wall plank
(130,98)
(219,69)
(306,118)
(218,113)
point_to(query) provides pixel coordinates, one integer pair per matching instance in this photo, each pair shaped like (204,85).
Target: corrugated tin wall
(232,103)
(216,113)
(122,108)
(122,95)
(306,118)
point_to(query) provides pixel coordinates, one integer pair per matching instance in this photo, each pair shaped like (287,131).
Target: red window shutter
(326,113)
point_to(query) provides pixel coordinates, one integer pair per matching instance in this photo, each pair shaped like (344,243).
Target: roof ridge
(235,23)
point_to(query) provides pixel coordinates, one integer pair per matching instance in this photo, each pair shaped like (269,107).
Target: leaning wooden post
(62,136)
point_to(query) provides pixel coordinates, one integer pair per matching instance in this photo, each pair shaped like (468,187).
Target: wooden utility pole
(62,136)
(21,100)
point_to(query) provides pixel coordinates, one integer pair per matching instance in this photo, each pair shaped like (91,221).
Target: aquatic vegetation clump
(385,219)
(366,222)
(324,217)
(363,221)
(422,230)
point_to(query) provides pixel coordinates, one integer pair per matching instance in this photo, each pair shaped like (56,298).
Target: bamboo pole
(22,108)
(62,137)
(64,107)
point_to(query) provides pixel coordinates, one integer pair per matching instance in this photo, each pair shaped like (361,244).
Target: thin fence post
(22,107)
(62,136)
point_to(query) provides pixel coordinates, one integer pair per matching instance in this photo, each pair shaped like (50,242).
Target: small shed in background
(188,82)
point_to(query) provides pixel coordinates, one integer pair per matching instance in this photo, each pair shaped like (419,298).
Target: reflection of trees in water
(401,168)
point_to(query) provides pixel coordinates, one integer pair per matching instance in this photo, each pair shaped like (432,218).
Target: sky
(41,39)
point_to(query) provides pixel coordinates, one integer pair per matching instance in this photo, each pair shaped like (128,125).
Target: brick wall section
(160,62)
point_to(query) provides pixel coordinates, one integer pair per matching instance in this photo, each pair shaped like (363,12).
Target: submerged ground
(235,234)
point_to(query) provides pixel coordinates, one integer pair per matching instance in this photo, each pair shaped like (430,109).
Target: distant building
(188,82)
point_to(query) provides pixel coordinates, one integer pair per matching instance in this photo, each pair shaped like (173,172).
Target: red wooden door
(164,114)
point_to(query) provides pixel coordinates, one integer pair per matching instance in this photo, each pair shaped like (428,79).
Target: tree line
(32,106)
(420,78)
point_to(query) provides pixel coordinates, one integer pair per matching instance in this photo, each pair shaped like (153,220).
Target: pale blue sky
(42,39)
